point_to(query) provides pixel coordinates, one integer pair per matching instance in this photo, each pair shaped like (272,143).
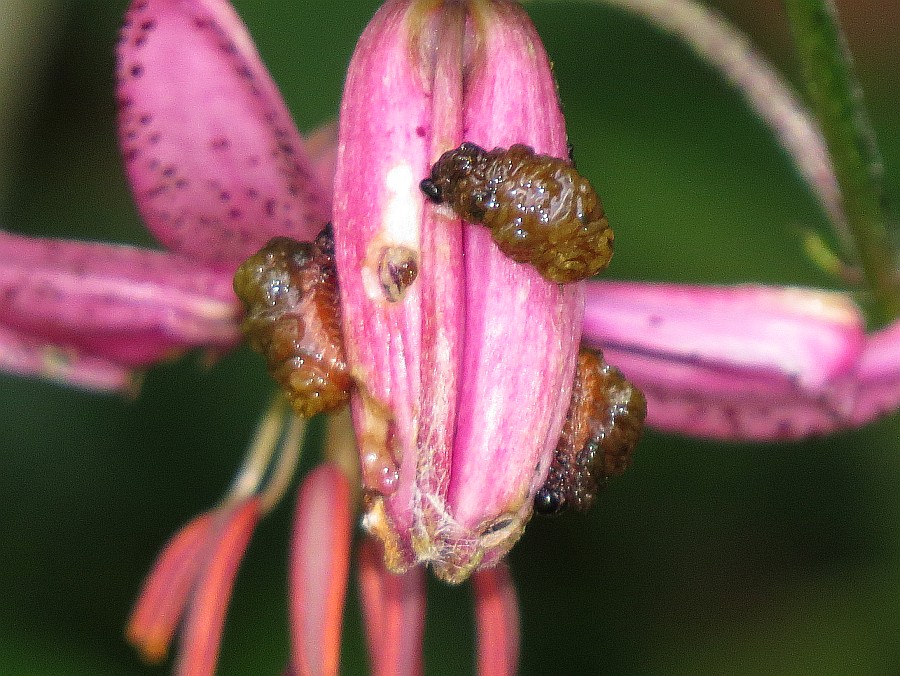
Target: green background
(703,558)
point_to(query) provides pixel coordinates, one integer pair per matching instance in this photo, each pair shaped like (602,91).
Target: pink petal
(109,303)
(162,600)
(394,612)
(749,363)
(205,619)
(380,162)
(322,148)
(25,356)
(320,560)
(216,164)
(522,332)
(879,376)
(497,614)
(465,378)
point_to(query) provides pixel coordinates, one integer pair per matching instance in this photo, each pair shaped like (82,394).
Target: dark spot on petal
(497,526)
(397,270)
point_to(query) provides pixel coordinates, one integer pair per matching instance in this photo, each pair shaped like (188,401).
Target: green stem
(837,101)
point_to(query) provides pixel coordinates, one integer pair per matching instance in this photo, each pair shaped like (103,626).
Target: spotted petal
(740,363)
(216,164)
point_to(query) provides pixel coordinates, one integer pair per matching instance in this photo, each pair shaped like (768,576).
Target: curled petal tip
(879,375)
(322,147)
(320,558)
(215,162)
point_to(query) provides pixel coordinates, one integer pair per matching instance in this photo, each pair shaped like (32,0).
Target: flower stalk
(837,100)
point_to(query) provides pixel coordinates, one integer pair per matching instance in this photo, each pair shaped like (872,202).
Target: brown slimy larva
(603,425)
(290,293)
(539,209)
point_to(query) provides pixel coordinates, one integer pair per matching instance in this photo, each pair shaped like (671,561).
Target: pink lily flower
(218,168)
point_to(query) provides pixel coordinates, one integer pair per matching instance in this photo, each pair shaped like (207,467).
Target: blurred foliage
(704,558)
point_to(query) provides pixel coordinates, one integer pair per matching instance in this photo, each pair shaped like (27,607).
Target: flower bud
(462,359)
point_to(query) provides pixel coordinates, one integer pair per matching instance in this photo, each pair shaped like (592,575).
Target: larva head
(458,179)
(263,281)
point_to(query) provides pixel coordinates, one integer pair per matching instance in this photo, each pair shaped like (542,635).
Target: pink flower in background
(462,385)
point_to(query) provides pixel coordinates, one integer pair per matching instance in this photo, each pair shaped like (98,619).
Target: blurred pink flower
(218,168)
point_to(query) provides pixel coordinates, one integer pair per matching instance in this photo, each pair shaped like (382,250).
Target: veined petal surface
(121,304)
(740,363)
